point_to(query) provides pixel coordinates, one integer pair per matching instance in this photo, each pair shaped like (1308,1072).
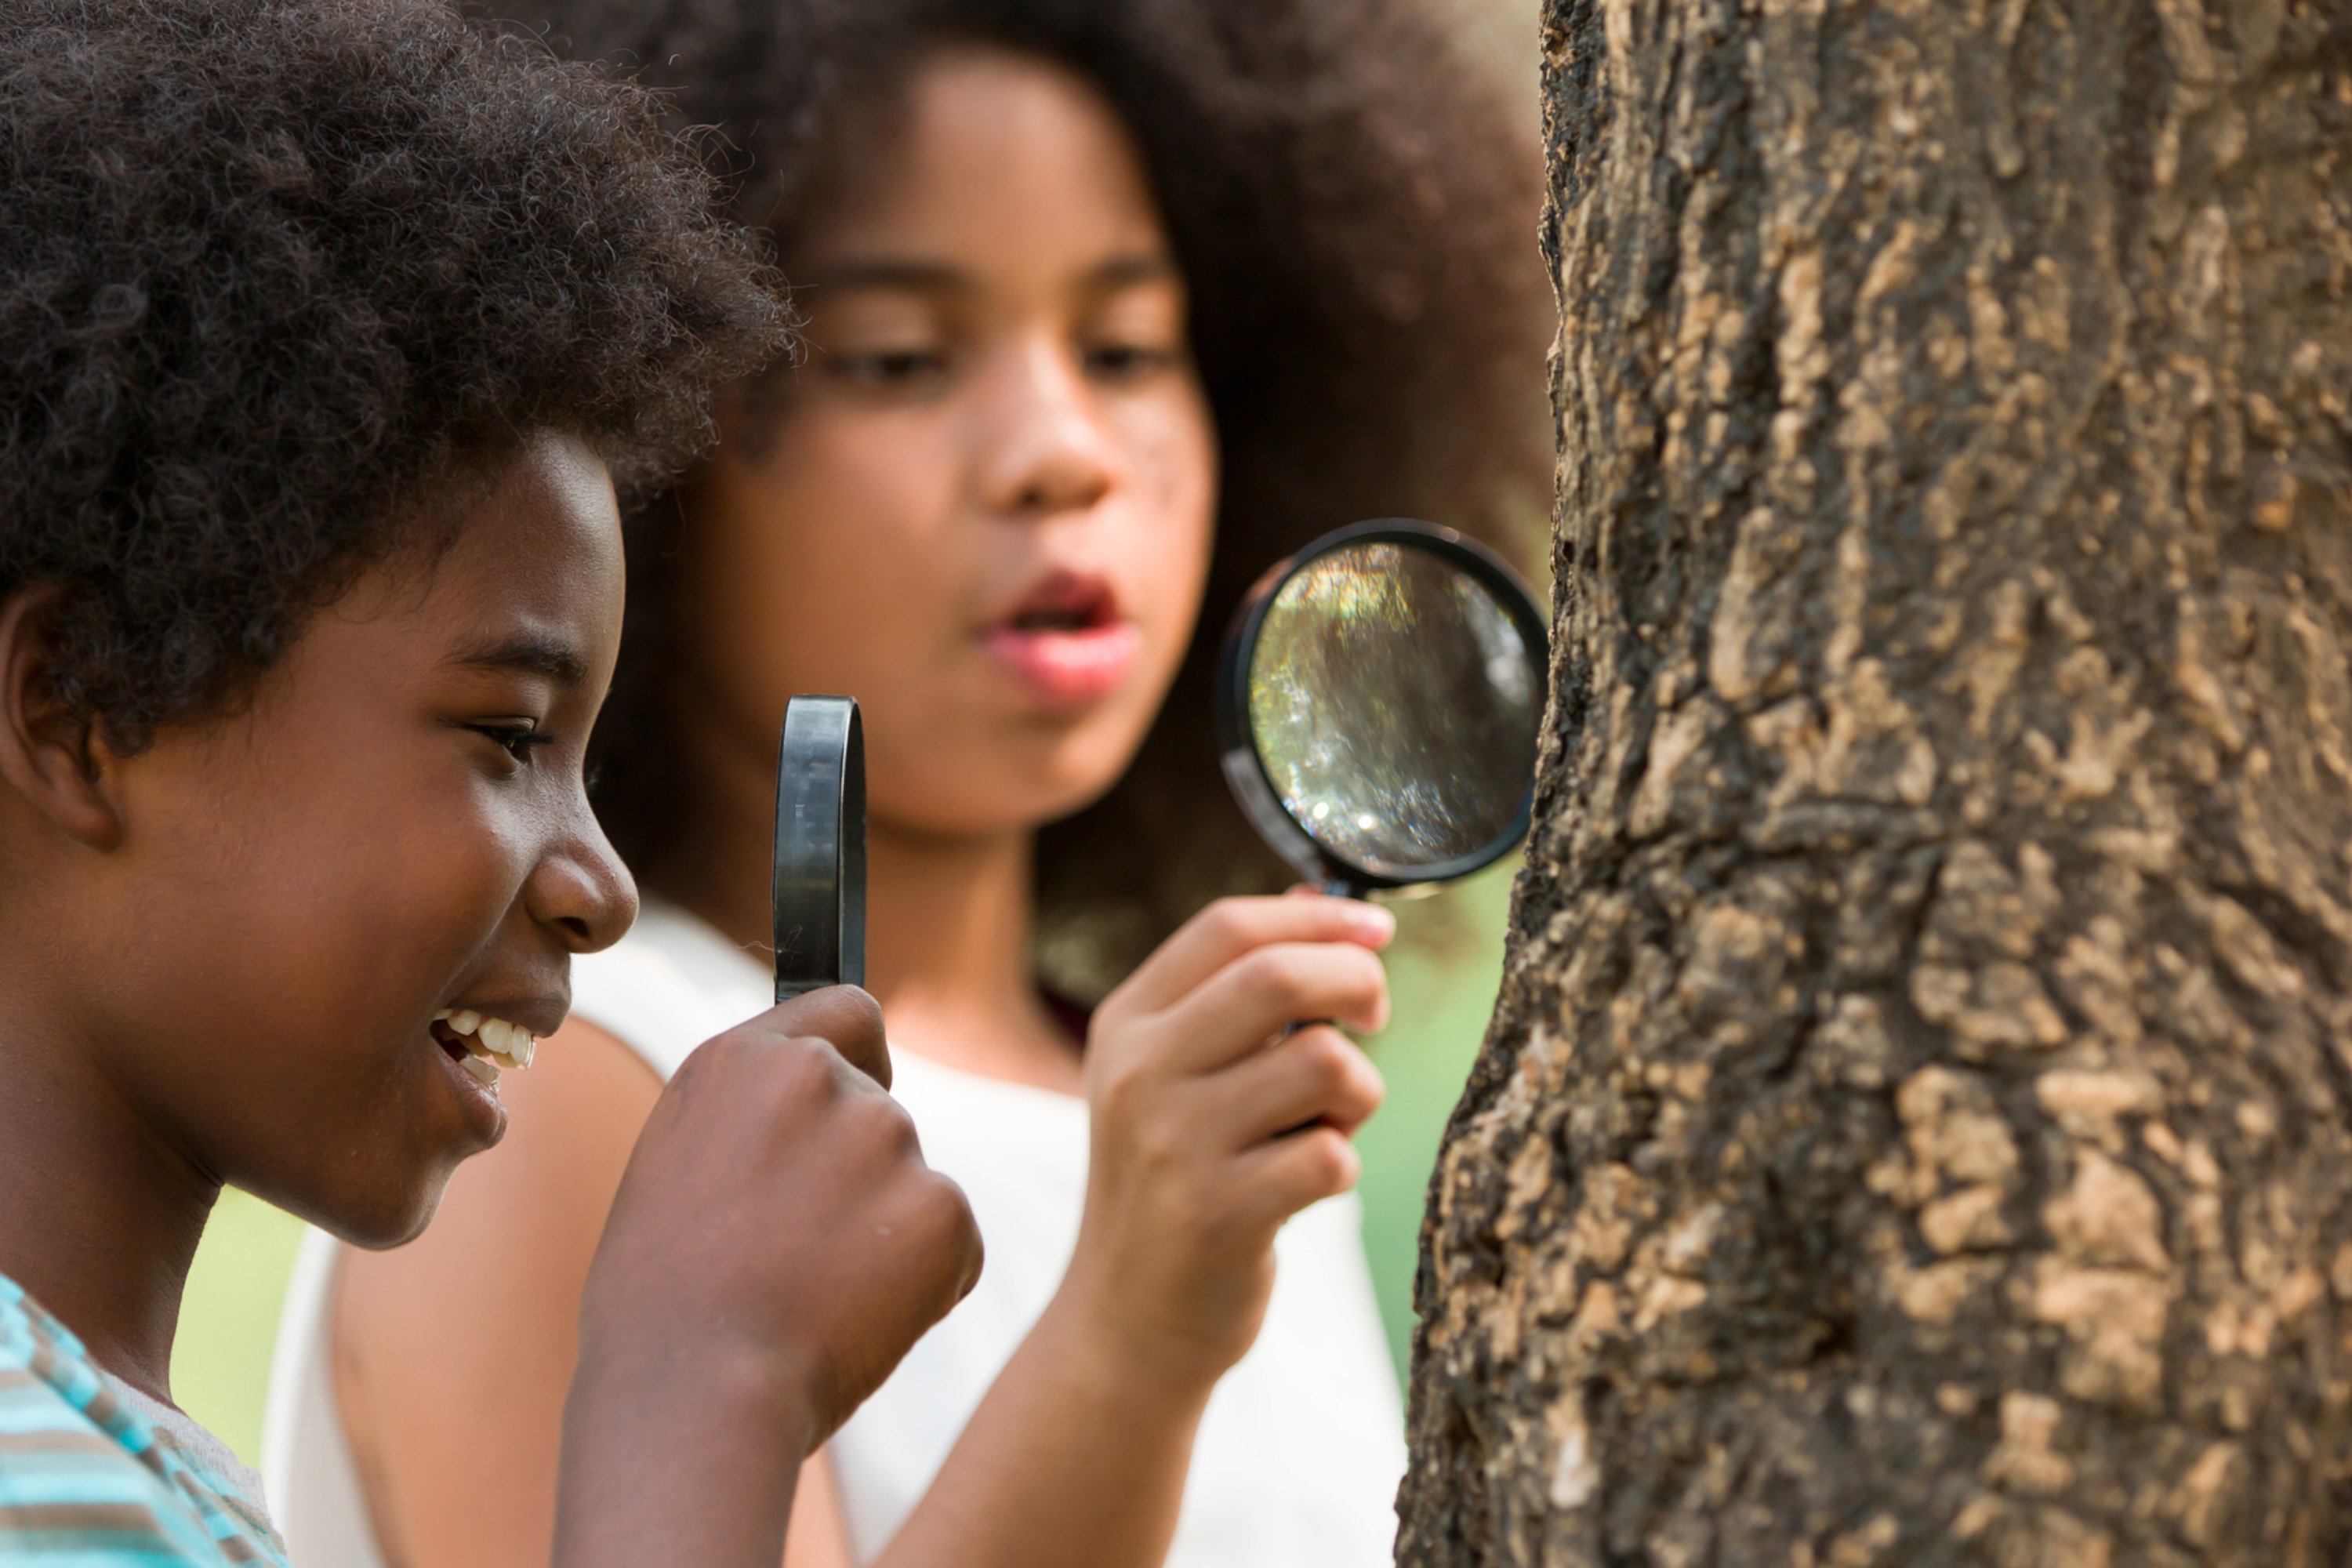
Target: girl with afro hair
(324,328)
(1106,308)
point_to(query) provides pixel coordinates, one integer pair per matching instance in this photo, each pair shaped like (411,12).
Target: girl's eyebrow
(942,278)
(1145,266)
(889,272)
(533,653)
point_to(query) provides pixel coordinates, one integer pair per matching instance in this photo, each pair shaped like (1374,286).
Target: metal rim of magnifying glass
(818,887)
(1244,765)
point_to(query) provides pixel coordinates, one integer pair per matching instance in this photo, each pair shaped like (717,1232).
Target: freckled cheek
(1174,458)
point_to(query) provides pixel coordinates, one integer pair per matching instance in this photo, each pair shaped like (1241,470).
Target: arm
(776,1247)
(772,1248)
(427,1389)
(1211,1127)
(1071,1460)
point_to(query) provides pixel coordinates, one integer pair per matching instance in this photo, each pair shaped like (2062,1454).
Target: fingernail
(1376,923)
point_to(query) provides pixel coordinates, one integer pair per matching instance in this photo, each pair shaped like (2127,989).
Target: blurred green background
(1444,971)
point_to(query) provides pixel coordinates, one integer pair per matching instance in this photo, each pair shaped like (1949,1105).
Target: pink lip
(486,1118)
(1068,668)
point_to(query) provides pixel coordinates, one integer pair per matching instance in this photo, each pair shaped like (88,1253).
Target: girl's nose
(1048,449)
(581,891)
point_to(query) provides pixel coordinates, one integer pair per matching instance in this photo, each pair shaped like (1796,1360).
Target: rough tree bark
(1914,1127)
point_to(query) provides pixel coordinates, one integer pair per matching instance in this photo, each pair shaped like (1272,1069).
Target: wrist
(1106,1352)
(679,1447)
(749,1385)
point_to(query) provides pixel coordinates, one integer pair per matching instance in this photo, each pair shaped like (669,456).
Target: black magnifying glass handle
(818,887)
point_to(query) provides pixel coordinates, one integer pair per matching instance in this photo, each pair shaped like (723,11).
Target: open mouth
(1067,642)
(1066,603)
(481,1044)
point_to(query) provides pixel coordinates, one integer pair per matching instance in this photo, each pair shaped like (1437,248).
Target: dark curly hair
(272,270)
(1354,205)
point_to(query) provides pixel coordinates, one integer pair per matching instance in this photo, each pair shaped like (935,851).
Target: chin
(392,1213)
(1032,805)
(1007,793)
(1083,769)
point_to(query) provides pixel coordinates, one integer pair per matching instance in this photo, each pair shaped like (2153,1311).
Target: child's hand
(1212,1126)
(777,1218)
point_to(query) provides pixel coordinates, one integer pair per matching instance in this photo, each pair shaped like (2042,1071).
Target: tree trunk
(1914,1129)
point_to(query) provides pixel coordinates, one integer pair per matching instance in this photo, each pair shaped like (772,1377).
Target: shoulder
(84,1478)
(668,985)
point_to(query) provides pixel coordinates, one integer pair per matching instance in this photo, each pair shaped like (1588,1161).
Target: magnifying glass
(818,887)
(1378,706)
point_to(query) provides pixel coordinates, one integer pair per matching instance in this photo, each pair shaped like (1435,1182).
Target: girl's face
(983,504)
(393,826)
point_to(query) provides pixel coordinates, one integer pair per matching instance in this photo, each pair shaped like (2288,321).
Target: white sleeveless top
(1300,1450)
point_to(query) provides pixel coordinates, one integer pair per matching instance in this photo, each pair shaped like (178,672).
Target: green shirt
(86,1481)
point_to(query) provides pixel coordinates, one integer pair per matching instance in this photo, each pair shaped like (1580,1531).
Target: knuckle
(725,1065)
(1328,1058)
(719,1054)
(802,1069)
(900,1137)
(1125,1090)
(1274,978)
(1233,919)
(882,1123)
(1328,1162)
(945,1230)
(859,1011)
(948,1212)
(1109,1018)
(1342,1163)
(855,1018)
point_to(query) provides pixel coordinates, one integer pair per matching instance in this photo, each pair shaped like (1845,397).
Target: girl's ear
(51,755)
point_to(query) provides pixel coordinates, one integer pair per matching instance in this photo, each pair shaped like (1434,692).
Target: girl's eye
(1127,361)
(517,741)
(889,367)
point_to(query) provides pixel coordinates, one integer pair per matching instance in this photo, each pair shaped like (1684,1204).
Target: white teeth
(483,1070)
(493,1042)
(442,1016)
(517,1055)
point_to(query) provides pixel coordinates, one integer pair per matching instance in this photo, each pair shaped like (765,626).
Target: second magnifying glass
(818,890)
(1379,707)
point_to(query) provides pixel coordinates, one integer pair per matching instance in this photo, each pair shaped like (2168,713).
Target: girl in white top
(1054,257)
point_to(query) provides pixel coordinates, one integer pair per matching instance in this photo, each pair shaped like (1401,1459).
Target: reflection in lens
(1394,704)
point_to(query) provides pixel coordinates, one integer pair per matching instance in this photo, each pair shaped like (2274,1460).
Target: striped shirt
(87,1482)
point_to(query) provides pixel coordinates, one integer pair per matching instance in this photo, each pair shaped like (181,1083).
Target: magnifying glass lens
(1395,701)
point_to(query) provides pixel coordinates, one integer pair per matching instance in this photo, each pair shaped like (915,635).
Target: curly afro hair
(1353,200)
(272,270)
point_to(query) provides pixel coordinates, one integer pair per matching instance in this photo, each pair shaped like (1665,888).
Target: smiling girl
(1106,306)
(324,325)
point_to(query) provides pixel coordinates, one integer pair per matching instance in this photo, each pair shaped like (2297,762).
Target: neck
(950,932)
(948,926)
(102,1214)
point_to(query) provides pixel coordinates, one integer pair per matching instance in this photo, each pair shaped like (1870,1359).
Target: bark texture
(1915,1128)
